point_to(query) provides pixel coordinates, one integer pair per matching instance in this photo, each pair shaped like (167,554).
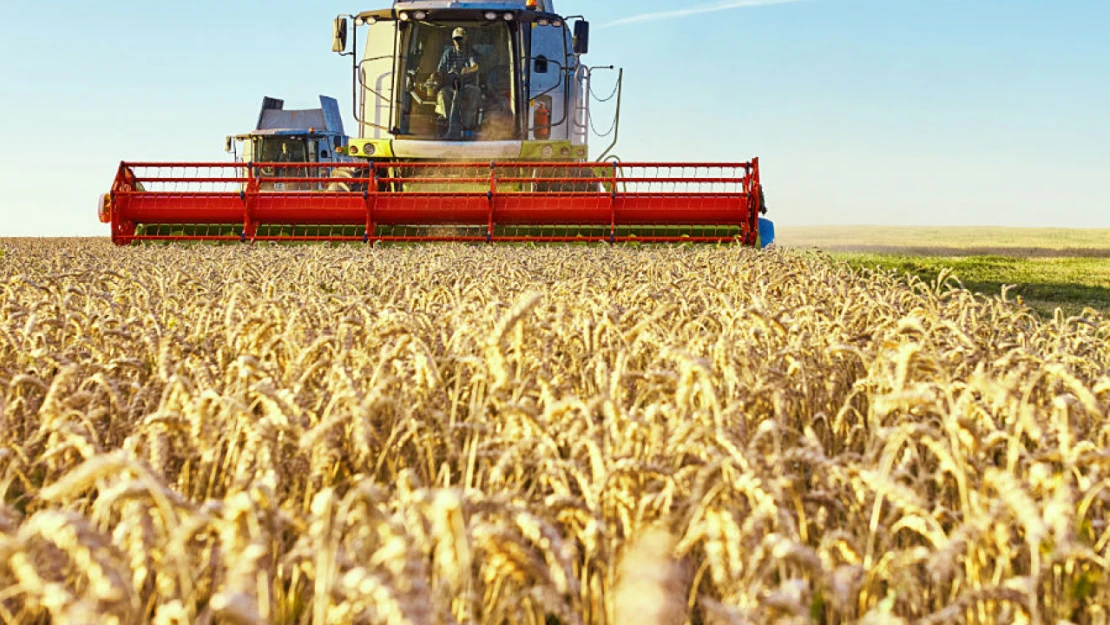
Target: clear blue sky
(914,112)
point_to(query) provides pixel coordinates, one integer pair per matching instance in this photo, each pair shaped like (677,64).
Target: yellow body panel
(361,148)
(378,149)
(552,151)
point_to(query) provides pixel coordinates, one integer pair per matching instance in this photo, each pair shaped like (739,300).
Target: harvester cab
(473,125)
(444,80)
(292,136)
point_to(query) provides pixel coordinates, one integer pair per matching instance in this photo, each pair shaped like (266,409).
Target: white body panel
(549,42)
(542,5)
(580,99)
(377,81)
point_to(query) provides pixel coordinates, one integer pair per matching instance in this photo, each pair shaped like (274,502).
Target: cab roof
(510,5)
(275,120)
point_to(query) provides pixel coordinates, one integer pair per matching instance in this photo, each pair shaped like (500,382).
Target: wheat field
(570,435)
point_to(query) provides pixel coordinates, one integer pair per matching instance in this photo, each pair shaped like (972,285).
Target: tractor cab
(292,136)
(476,80)
(295,137)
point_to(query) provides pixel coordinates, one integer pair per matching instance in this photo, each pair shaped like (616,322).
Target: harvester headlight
(420,15)
(545,22)
(547,151)
(368,149)
(353,149)
(404,17)
(557,24)
(564,152)
(490,15)
(508,17)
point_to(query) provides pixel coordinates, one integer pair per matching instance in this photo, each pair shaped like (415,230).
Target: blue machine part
(766,232)
(274,119)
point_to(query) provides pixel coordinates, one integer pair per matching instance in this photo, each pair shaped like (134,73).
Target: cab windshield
(456,81)
(280,150)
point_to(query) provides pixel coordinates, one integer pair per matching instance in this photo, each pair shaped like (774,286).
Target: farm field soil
(572,435)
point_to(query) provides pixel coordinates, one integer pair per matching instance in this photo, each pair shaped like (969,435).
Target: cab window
(281,150)
(423,44)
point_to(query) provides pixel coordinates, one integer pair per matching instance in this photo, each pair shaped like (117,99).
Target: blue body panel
(332,116)
(766,232)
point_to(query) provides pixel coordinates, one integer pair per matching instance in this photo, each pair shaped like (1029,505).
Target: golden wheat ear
(568,434)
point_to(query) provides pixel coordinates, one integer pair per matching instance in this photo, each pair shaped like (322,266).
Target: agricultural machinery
(292,136)
(473,125)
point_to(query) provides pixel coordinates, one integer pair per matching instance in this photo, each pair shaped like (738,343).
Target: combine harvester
(474,120)
(306,136)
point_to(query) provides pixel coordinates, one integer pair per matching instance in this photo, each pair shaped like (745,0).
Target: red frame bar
(248,198)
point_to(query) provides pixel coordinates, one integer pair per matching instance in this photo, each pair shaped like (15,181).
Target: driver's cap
(460,33)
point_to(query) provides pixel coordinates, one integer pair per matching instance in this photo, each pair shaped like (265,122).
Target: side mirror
(541,65)
(581,37)
(339,35)
(227,145)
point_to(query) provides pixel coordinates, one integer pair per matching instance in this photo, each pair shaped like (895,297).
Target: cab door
(376,75)
(547,63)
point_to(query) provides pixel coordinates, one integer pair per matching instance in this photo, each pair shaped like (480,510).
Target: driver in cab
(458,98)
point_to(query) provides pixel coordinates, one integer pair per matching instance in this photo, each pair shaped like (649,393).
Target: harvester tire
(104,209)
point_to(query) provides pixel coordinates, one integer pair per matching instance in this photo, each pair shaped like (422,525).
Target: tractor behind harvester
(473,125)
(293,136)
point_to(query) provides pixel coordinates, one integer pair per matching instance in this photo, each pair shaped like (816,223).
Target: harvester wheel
(104,210)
